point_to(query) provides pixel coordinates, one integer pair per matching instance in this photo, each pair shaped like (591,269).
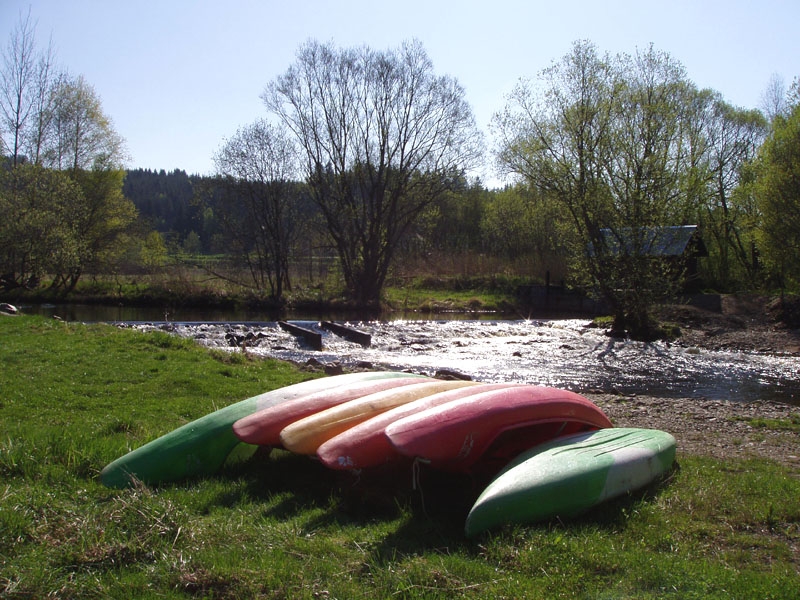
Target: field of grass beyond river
(74,397)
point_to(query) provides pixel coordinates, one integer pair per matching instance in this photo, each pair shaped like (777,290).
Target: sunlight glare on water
(561,353)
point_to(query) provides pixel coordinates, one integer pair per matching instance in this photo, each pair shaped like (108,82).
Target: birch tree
(17,80)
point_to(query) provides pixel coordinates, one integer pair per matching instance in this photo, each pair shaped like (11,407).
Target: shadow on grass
(430,505)
(289,486)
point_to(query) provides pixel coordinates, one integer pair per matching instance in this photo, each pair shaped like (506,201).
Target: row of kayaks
(545,452)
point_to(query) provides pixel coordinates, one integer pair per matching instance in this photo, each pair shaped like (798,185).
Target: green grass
(426,300)
(75,397)
(790,424)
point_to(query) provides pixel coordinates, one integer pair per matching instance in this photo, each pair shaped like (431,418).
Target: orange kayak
(366,445)
(264,427)
(306,435)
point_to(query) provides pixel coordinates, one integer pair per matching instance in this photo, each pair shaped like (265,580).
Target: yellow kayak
(308,434)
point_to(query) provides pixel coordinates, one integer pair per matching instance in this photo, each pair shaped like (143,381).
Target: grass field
(75,397)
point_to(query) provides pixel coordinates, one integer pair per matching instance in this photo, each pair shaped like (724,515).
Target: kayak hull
(307,435)
(365,445)
(203,446)
(264,427)
(493,426)
(569,475)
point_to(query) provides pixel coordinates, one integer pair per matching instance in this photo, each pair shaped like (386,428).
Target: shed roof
(655,241)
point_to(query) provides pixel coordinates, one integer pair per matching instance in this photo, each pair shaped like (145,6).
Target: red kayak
(307,435)
(366,445)
(492,427)
(264,427)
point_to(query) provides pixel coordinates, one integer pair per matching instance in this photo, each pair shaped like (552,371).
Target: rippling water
(563,353)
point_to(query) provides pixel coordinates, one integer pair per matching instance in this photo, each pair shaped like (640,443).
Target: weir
(348,333)
(312,338)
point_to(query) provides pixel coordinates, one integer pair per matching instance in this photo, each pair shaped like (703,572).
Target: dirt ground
(724,429)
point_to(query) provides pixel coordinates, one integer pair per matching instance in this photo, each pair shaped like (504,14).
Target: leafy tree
(556,136)
(103,219)
(153,252)
(605,138)
(59,120)
(731,138)
(459,214)
(82,135)
(777,190)
(382,138)
(449,227)
(191,244)
(260,208)
(40,235)
(519,224)
(793,96)
(508,223)
(60,225)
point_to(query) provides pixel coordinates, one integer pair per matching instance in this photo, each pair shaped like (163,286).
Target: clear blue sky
(179,76)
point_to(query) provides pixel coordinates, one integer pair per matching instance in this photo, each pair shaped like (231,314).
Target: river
(557,352)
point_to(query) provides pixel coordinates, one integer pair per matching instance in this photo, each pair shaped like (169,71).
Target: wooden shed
(681,245)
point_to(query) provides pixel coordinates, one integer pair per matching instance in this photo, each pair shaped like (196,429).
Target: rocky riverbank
(717,428)
(748,323)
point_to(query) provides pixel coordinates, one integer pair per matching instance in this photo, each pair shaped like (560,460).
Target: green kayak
(571,474)
(206,444)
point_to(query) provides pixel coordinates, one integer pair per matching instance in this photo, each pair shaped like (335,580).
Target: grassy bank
(194,288)
(75,397)
(456,294)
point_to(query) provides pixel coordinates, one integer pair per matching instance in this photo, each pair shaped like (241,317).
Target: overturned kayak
(365,445)
(492,426)
(571,474)
(307,435)
(264,427)
(204,445)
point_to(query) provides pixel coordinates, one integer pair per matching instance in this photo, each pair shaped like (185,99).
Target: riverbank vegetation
(75,397)
(628,183)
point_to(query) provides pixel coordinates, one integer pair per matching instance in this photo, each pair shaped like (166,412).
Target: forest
(361,179)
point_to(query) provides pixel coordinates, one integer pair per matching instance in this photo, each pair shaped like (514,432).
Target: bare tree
(773,98)
(382,136)
(44,105)
(259,169)
(16,86)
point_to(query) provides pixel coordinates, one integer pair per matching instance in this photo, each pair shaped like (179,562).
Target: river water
(559,352)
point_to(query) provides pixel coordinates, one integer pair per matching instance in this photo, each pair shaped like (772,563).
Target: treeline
(368,165)
(165,203)
(470,224)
